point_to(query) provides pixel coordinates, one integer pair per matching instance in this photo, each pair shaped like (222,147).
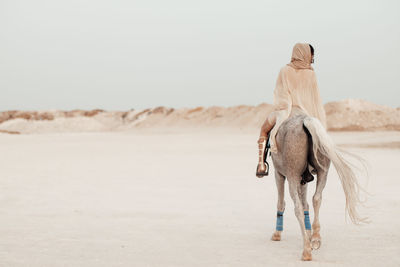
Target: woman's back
(303,89)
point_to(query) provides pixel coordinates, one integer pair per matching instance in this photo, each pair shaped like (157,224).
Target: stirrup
(262,174)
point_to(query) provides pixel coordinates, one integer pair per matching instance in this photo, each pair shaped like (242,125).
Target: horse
(302,141)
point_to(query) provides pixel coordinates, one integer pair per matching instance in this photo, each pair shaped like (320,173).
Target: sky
(120,55)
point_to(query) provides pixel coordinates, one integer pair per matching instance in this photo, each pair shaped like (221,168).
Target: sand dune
(346,115)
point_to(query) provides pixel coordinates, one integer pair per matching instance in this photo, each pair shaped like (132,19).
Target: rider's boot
(307,176)
(262,168)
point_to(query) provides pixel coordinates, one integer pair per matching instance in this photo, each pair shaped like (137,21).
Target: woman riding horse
(299,142)
(296,86)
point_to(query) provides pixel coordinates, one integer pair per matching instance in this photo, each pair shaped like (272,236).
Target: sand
(345,115)
(179,198)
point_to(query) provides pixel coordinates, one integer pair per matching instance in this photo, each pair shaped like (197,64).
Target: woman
(296,89)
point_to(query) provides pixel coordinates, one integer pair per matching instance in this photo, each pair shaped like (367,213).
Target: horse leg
(303,197)
(317,199)
(294,184)
(280,184)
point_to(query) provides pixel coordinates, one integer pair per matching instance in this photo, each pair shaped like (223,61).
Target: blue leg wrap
(279,221)
(307,220)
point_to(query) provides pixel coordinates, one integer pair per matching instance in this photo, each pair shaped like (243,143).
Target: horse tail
(324,144)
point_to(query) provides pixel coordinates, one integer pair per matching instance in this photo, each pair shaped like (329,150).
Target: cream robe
(296,87)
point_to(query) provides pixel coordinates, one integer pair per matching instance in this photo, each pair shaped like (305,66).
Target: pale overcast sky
(119,55)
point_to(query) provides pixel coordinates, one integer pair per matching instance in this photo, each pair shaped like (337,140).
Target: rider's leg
(262,141)
(268,125)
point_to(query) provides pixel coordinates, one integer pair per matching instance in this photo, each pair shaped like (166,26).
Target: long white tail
(324,144)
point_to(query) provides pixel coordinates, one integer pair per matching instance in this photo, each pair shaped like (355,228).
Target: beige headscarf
(297,86)
(301,56)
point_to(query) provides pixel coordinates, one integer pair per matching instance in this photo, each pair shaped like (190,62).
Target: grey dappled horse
(302,140)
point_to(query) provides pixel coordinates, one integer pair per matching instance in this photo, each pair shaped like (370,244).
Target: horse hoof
(276,236)
(315,243)
(306,256)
